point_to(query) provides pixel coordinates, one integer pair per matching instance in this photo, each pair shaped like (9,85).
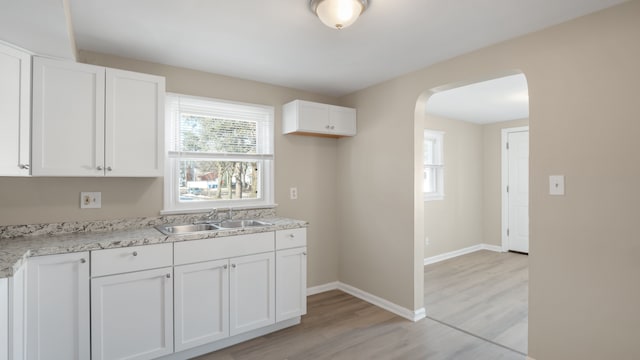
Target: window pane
(213,135)
(429,180)
(218,180)
(429,145)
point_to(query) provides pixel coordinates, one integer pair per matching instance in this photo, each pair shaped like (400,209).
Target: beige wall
(492,204)
(456,221)
(308,163)
(583,81)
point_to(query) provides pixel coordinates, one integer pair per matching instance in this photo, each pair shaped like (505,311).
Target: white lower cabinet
(252,292)
(132,315)
(291,283)
(57,307)
(4,319)
(201,303)
(220,298)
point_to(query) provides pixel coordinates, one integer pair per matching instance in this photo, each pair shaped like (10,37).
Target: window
(219,154)
(433,185)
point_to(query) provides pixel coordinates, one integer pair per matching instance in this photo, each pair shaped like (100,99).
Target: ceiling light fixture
(338,14)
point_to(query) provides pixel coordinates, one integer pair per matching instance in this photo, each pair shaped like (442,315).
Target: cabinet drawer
(291,238)
(135,258)
(188,252)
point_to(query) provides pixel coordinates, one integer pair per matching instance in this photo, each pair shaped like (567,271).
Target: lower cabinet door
(291,283)
(4,319)
(57,307)
(252,292)
(201,293)
(132,315)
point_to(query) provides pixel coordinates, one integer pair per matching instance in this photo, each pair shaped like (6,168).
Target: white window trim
(438,137)
(172,205)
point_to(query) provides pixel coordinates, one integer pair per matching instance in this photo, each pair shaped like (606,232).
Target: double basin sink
(210,226)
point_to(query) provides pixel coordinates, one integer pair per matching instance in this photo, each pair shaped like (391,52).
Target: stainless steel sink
(234,224)
(186,228)
(210,226)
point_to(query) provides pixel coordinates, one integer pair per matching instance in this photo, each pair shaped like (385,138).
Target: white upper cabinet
(134,139)
(310,118)
(68,119)
(93,121)
(15,114)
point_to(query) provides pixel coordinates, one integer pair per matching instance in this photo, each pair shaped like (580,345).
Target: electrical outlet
(293,193)
(90,200)
(426,241)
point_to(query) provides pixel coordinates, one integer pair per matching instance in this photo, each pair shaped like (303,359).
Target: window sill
(433,197)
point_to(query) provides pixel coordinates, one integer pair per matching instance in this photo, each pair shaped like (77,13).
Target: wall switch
(293,193)
(556,185)
(90,200)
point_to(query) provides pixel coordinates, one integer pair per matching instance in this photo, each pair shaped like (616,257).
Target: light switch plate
(90,200)
(556,185)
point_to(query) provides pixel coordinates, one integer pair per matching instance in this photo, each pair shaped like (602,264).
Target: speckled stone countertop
(15,249)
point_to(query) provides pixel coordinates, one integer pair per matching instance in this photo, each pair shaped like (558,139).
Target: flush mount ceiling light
(338,14)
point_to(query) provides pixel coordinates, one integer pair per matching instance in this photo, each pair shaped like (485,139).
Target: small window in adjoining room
(219,154)
(433,185)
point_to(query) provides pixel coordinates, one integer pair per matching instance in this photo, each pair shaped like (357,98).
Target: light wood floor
(484,293)
(340,326)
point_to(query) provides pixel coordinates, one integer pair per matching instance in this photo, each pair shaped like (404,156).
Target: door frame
(505,181)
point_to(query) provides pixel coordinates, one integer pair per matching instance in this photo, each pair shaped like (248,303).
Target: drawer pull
(168,276)
(82,261)
(135,253)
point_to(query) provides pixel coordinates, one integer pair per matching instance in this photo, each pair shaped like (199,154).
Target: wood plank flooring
(340,326)
(484,293)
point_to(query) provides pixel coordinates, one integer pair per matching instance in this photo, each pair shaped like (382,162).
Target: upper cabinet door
(313,117)
(342,120)
(15,113)
(134,116)
(68,119)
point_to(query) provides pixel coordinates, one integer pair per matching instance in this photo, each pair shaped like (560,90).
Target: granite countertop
(14,251)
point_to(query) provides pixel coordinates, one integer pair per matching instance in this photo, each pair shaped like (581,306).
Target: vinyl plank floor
(340,326)
(484,293)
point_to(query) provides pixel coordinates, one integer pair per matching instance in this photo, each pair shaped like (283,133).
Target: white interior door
(518,191)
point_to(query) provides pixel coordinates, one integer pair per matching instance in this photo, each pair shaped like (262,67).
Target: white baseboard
(322,288)
(370,298)
(468,250)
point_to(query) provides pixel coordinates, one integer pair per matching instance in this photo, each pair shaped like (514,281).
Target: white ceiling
(281,41)
(502,99)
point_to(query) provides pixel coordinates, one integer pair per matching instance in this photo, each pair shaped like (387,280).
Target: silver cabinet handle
(291,236)
(82,261)
(23,166)
(233,266)
(332,127)
(135,253)
(328,127)
(109,168)
(168,276)
(224,266)
(304,253)
(99,167)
